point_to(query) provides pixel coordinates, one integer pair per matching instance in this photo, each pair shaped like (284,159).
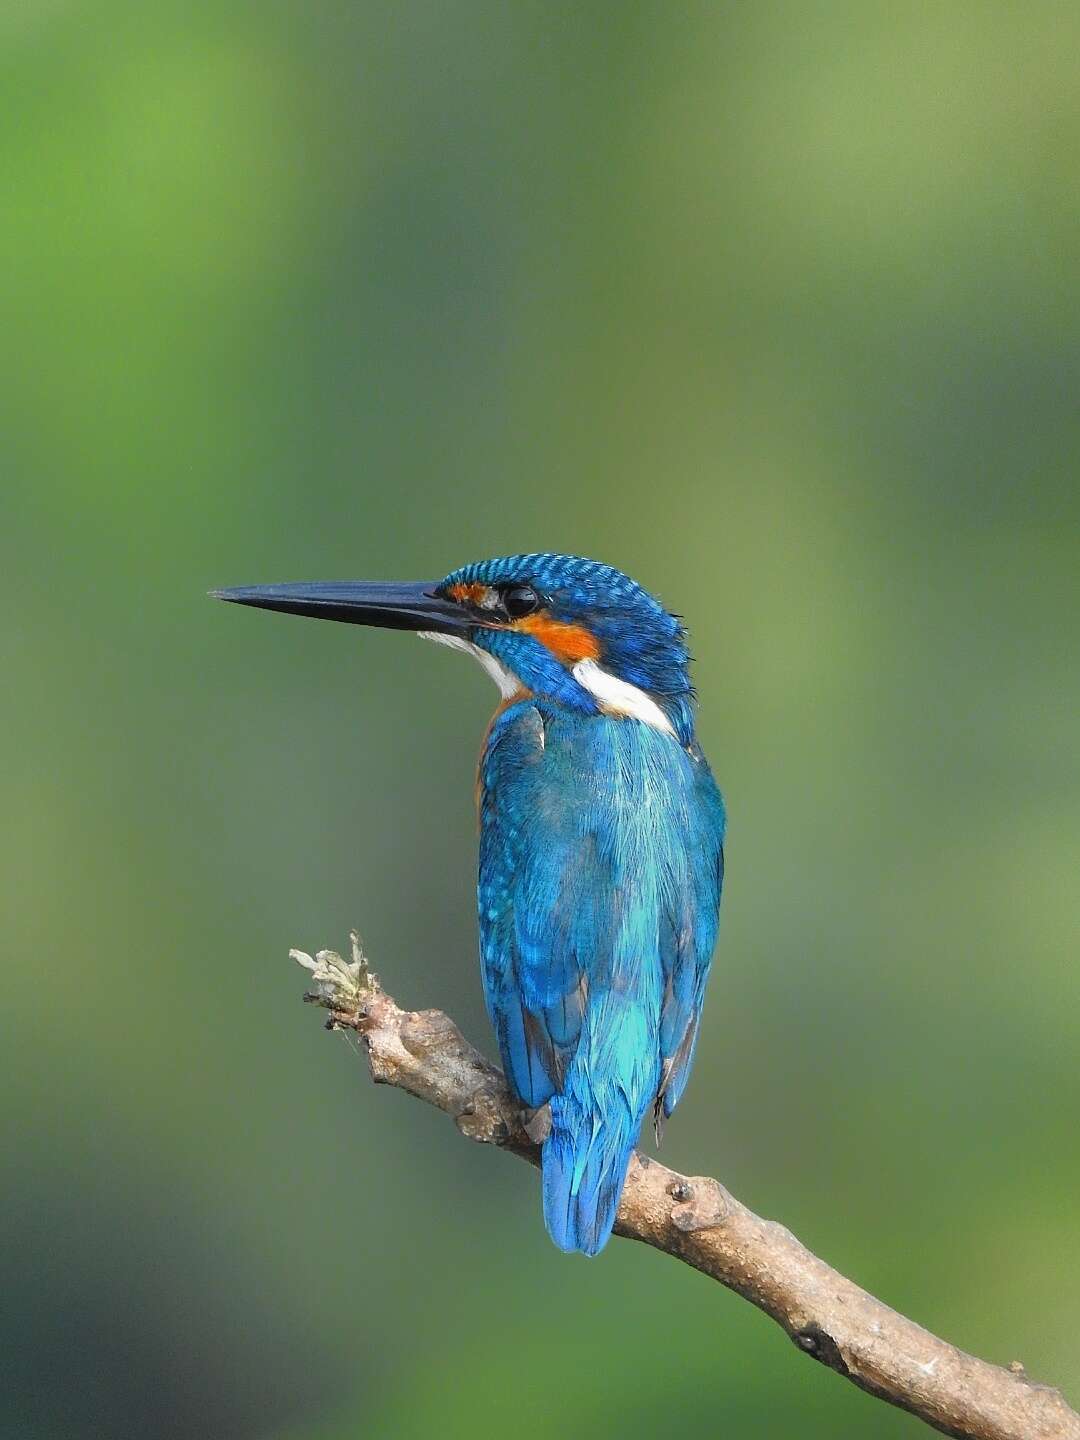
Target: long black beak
(406,605)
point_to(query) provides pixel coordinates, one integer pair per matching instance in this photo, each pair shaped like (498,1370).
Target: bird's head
(573,632)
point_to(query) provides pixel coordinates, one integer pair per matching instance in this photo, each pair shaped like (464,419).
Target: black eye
(519,601)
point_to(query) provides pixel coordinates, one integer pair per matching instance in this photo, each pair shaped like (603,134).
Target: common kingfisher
(601,848)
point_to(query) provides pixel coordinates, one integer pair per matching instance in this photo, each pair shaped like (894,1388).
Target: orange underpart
(474,593)
(568,643)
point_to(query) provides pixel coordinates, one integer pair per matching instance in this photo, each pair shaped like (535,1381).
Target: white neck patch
(619,697)
(507,682)
(614,696)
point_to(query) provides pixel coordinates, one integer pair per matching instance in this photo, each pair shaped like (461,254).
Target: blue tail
(584,1162)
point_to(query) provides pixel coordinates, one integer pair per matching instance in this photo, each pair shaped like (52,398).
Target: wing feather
(585,900)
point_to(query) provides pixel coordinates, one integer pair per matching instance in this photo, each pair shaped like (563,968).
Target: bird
(601,849)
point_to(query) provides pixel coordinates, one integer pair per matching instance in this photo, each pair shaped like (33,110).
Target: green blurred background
(776,306)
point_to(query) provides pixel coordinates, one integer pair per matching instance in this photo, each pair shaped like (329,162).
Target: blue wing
(688,934)
(598,894)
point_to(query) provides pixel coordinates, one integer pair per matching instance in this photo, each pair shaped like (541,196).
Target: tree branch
(697,1221)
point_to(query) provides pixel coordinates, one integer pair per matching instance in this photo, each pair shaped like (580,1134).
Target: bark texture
(696,1220)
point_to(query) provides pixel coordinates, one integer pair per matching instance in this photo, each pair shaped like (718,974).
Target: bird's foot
(341,986)
(536,1123)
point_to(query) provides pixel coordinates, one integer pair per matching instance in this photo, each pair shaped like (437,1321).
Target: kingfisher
(601,848)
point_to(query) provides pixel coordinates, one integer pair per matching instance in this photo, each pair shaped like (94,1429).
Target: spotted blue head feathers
(580,613)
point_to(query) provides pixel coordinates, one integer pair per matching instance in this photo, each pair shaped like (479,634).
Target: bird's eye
(519,601)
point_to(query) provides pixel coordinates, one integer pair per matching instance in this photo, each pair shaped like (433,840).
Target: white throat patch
(507,682)
(619,697)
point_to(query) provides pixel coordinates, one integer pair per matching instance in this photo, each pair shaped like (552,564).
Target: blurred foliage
(775,306)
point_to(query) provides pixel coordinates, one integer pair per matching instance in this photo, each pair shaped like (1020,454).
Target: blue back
(601,863)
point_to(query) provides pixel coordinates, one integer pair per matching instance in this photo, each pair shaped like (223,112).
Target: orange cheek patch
(568,643)
(474,593)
